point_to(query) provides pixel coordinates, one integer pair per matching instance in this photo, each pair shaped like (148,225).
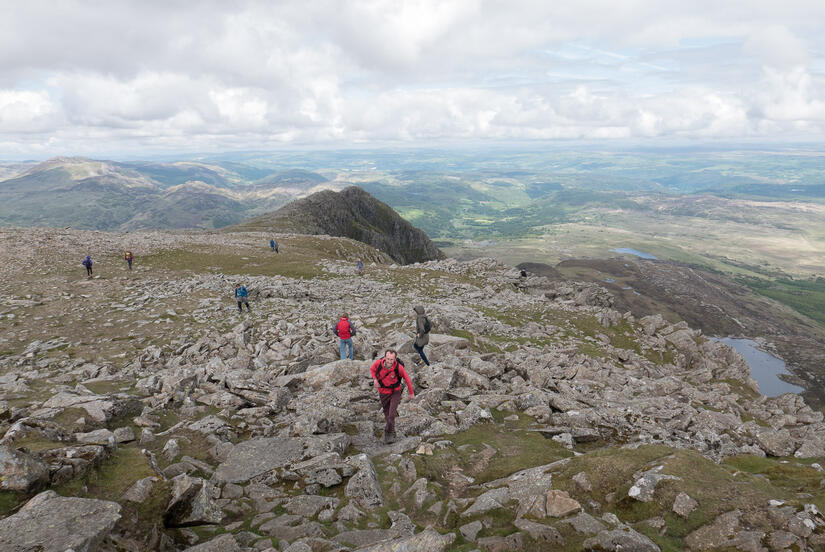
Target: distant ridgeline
(105,195)
(351,213)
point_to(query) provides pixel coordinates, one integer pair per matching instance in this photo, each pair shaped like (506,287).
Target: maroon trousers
(389,402)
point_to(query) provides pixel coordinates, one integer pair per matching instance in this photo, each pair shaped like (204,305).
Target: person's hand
(412,395)
(375,385)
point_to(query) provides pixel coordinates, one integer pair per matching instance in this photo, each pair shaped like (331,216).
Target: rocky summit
(140,411)
(351,213)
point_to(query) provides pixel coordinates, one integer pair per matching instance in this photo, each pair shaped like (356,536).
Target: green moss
(8,502)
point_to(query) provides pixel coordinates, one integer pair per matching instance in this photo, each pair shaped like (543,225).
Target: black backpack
(427,326)
(398,380)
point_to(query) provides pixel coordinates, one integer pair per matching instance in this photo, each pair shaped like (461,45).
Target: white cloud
(26,111)
(146,75)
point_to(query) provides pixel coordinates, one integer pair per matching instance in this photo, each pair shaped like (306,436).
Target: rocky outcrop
(544,414)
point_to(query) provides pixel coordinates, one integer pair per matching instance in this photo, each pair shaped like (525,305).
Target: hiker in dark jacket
(359,266)
(128,257)
(387,374)
(242,296)
(273,245)
(422,333)
(87,262)
(345,330)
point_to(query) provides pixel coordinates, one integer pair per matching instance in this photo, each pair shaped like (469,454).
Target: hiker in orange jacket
(386,375)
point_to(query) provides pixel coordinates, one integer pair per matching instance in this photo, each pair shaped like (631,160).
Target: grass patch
(791,476)
(34,442)
(112,479)
(716,488)
(297,259)
(106,387)
(806,297)
(515,449)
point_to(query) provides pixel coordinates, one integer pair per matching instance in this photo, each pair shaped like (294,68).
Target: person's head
(419,310)
(389,357)
(237,285)
(345,315)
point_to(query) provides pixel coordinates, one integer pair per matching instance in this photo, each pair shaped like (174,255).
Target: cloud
(169,75)
(25,112)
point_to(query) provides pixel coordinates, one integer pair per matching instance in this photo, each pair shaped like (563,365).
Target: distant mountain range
(106,195)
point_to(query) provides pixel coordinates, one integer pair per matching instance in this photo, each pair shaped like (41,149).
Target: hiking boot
(389,438)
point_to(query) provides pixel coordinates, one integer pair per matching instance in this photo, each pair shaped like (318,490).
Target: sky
(84,78)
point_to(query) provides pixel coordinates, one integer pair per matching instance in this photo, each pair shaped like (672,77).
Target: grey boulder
(21,472)
(52,523)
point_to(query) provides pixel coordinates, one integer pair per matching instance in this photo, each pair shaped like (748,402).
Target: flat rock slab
(619,540)
(52,523)
(222,543)
(257,457)
(428,540)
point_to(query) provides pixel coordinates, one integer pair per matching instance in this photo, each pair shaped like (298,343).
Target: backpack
(398,381)
(427,326)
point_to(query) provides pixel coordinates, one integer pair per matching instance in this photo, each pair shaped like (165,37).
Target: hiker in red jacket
(345,330)
(386,377)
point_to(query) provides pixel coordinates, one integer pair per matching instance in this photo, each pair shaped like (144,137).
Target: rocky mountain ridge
(139,411)
(351,213)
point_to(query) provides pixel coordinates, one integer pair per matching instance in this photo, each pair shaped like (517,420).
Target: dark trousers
(420,351)
(241,302)
(88,271)
(129,262)
(389,402)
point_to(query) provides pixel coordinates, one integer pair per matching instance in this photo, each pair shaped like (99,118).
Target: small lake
(636,252)
(764,367)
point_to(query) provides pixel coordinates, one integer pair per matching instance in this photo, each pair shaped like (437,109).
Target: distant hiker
(523,273)
(387,374)
(422,333)
(359,266)
(345,330)
(128,257)
(87,262)
(273,245)
(242,297)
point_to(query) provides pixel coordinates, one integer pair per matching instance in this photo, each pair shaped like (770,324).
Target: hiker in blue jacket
(242,297)
(273,245)
(87,262)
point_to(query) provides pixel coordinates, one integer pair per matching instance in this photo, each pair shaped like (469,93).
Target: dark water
(764,367)
(636,252)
